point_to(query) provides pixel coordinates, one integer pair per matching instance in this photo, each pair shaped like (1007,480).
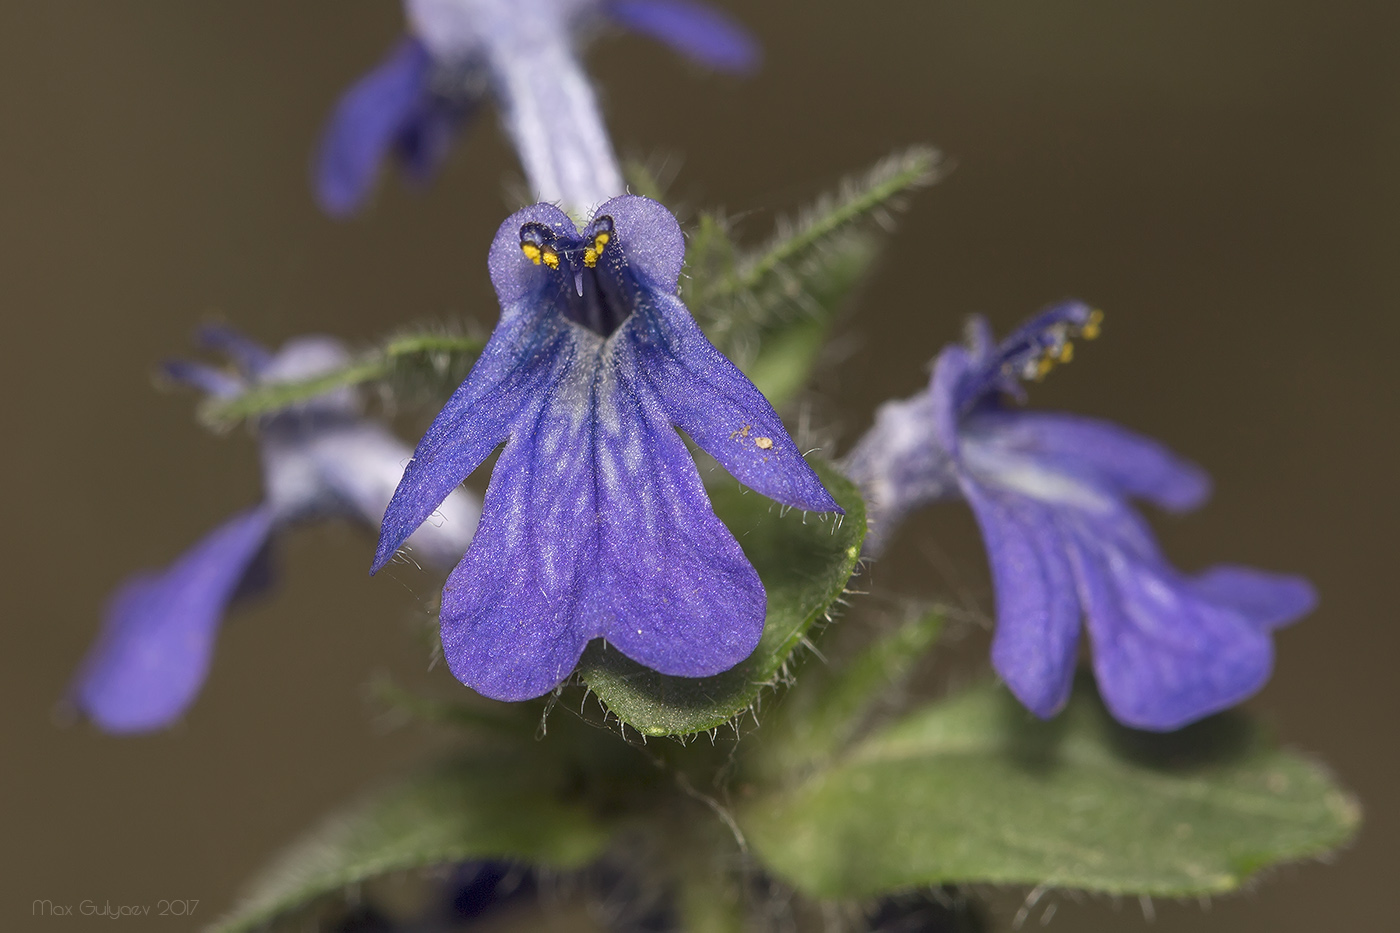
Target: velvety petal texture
(1051,495)
(1037,634)
(526,56)
(597,526)
(157,637)
(595,522)
(321,460)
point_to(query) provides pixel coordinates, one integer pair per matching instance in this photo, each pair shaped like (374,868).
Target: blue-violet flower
(1050,493)
(595,522)
(321,460)
(526,54)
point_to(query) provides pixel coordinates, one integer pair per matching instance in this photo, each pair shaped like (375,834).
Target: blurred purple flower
(321,460)
(595,522)
(525,54)
(1051,494)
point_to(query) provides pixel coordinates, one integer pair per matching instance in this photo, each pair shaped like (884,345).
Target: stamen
(1092,326)
(600,299)
(1029,353)
(602,235)
(537,243)
(1053,345)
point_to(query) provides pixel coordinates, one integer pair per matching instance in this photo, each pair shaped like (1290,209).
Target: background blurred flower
(321,460)
(1051,495)
(526,55)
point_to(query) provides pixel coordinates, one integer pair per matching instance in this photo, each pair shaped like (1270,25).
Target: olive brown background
(1220,177)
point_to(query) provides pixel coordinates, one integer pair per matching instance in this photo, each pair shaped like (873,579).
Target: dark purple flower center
(591,282)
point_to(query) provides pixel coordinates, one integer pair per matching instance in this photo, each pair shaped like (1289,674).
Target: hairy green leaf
(804,561)
(975,789)
(509,805)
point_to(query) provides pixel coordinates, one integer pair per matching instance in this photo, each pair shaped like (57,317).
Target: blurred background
(1219,177)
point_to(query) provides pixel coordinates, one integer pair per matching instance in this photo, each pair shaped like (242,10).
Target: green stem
(913,168)
(374,366)
(410,344)
(710,895)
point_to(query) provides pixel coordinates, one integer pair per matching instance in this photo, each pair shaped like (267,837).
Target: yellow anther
(550,257)
(1066,352)
(1093,325)
(532,252)
(1043,367)
(591,254)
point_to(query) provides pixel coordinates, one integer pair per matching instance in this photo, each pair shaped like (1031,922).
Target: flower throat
(594,282)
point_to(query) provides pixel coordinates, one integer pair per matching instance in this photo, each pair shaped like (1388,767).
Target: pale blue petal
(367,122)
(521,363)
(210,380)
(1100,453)
(696,30)
(1269,600)
(596,525)
(703,392)
(1037,607)
(157,638)
(1163,656)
